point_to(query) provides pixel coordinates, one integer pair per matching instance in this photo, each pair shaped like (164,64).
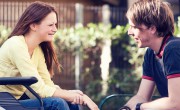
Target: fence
(68,16)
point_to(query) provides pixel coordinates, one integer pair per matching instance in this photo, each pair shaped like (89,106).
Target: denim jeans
(50,103)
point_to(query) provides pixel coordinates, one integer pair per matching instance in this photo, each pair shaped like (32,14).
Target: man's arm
(143,95)
(172,102)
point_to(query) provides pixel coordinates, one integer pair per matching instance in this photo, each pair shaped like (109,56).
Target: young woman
(29,52)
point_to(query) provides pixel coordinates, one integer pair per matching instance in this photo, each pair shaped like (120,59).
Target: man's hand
(125,108)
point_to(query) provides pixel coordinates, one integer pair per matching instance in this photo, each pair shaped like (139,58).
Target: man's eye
(134,27)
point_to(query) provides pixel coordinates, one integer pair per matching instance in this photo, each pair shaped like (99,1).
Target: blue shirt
(164,65)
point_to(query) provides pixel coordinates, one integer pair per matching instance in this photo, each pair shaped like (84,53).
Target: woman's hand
(78,99)
(75,97)
(90,103)
(77,91)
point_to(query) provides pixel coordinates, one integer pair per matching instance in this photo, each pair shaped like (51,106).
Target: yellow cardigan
(15,61)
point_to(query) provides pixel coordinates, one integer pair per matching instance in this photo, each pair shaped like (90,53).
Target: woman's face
(47,27)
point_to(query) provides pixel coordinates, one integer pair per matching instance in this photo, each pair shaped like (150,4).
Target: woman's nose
(54,28)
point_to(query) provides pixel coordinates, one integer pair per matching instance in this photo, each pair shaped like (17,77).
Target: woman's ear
(33,27)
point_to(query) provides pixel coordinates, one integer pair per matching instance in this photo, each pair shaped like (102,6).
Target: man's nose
(130,33)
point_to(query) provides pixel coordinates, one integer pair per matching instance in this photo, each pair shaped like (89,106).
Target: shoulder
(173,44)
(172,48)
(14,42)
(16,39)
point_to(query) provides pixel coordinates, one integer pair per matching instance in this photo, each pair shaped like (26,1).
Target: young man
(152,25)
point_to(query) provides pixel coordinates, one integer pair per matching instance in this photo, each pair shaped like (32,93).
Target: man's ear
(153,29)
(33,27)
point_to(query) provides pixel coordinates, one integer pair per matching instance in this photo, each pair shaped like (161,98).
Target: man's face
(140,33)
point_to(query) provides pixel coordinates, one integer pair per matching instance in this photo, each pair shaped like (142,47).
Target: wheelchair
(8,101)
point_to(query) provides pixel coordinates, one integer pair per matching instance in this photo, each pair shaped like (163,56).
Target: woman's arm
(75,97)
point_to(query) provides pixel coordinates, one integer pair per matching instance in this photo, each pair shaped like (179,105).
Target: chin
(140,45)
(50,39)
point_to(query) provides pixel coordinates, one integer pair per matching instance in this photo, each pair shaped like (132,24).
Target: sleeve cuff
(147,77)
(173,76)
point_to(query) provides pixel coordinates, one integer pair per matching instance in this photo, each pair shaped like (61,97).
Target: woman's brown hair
(35,13)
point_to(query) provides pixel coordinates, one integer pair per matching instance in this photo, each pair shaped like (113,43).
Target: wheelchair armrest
(25,81)
(18,80)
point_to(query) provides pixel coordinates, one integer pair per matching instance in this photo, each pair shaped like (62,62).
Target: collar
(161,50)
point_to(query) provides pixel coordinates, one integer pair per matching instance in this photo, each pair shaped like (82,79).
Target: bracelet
(125,108)
(138,106)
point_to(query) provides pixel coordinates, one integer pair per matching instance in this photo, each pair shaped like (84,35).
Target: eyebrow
(138,27)
(135,26)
